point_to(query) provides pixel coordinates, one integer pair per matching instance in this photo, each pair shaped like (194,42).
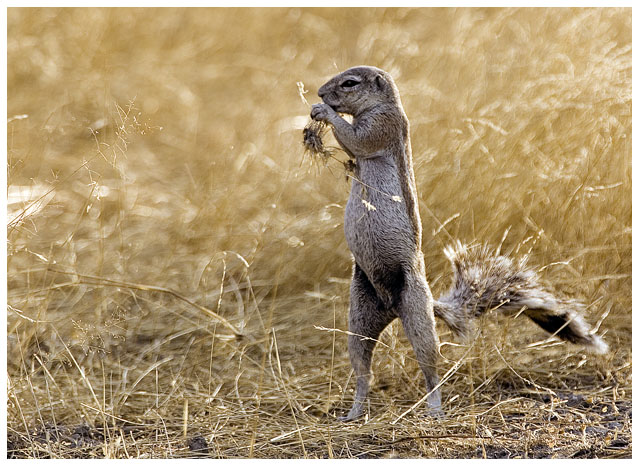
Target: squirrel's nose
(322,92)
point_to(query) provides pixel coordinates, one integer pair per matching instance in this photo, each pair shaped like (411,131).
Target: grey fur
(484,280)
(384,233)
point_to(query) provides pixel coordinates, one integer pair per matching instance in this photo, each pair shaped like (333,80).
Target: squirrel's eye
(349,83)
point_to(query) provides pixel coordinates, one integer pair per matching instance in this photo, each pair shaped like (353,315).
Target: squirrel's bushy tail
(484,281)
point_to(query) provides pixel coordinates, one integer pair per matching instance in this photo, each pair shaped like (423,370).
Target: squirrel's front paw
(321,112)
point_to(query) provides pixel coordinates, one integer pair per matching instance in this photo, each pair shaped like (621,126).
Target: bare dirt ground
(177,272)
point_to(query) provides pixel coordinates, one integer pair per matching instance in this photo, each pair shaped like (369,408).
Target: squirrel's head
(358,89)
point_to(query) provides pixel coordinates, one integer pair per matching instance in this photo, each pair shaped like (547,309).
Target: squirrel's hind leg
(367,319)
(416,313)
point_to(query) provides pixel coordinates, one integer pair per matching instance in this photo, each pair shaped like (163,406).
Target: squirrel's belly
(378,231)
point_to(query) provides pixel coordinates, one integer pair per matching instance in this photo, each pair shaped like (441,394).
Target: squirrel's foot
(433,412)
(434,405)
(357,410)
(346,418)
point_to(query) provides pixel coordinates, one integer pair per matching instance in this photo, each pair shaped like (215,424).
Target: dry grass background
(156,177)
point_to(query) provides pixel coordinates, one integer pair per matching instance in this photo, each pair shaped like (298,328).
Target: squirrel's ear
(380,82)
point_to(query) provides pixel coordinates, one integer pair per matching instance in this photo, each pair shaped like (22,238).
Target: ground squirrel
(384,233)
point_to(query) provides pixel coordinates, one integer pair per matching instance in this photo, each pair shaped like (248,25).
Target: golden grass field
(157,181)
